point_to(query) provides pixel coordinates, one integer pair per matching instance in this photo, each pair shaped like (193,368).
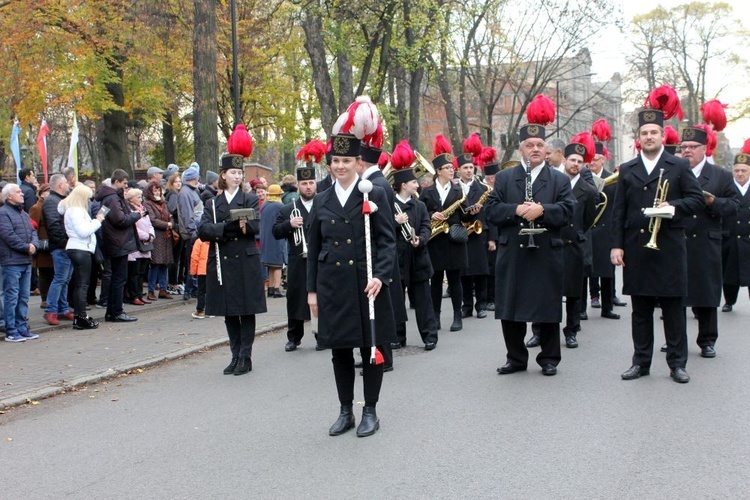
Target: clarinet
(532,229)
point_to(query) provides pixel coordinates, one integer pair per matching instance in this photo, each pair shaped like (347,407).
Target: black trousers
(343,371)
(93,279)
(136,276)
(606,292)
(241,331)
(454,288)
(119,267)
(201,305)
(295,330)
(106,281)
(572,316)
(474,285)
(514,333)
(642,324)
(491,256)
(708,325)
(81,260)
(419,296)
(731,292)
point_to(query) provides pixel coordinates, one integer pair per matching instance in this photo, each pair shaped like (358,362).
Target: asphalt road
(450,426)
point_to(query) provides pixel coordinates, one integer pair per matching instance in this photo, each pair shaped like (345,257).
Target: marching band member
(292,224)
(736,243)
(413,222)
(536,200)
(651,275)
(234,279)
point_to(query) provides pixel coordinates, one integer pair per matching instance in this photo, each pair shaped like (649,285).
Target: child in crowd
(198,261)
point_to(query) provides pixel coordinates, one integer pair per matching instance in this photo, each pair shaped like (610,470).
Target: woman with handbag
(161,255)
(234,279)
(81,245)
(144,242)
(447,252)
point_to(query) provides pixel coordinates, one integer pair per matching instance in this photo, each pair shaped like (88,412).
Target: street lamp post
(557,96)
(235,74)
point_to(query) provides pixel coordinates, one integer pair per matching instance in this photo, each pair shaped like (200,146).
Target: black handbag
(142,246)
(458,233)
(43,246)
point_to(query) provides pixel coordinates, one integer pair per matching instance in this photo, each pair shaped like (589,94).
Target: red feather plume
(362,118)
(746,147)
(473,145)
(486,156)
(240,142)
(713,114)
(403,156)
(711,140)
(313,151)
(375,140)
(637,145)
(665,98)
(383,160)
(541,110)
(587,140)
(601,130)
(671,136)
(442,145)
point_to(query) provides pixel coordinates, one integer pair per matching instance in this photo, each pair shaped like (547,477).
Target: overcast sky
(609,58)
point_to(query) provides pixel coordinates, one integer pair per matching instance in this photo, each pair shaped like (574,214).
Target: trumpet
(407,231)
(655,224)
(299,233)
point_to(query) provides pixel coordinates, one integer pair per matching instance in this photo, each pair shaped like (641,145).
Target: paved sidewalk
(63,358)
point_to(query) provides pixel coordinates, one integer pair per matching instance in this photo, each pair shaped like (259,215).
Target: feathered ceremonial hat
(442,152)
(402,161)
(239,147)
(583,145)
(661,104)
(539,113)
(472,149)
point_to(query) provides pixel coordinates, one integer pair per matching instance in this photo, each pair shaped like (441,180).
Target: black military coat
(529,282)
(415,262)
(397,293)
(444,253)
(337,269)
(574,236)
(296,271)
(476,247)
(703,232)
(663,272)
(736,243)
(242,290)
(601,238)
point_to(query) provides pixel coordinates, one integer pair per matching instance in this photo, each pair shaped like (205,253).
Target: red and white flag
(41,144)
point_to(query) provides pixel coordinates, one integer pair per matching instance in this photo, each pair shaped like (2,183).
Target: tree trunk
(346,87)
(112,134)
(167,134)
(415,99)
(205,103)
(313,27)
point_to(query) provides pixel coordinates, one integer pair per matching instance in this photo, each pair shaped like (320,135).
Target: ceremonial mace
(365,186)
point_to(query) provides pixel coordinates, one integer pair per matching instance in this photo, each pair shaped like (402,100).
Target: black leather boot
(243,366)
(343,423)
(232,365)
(457,323)
(369,424)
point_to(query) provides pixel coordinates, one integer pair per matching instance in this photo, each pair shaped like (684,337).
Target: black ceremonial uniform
(736,249)
(474,277)
(240,296)
(324,184)
(337,267)
(575,240)
(416,271)
(601,244)
(529,284)
(703,233)
(296,294)
(651,275)
(446,255)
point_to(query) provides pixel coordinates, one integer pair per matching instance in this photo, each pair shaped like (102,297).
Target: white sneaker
(14,338)
(199,315)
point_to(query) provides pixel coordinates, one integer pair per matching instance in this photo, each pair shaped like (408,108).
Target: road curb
(65,386)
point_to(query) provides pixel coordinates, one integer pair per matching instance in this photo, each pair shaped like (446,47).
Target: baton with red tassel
(365,186)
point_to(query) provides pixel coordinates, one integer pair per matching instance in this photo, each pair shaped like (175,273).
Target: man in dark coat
(448,257)
(574,236)
(28,186)
(703,232)
(736,242)
(529,284)
(474,277)
(118,236)
(338,285)
(652,276)
(57,296)
(602,281)
(293,218)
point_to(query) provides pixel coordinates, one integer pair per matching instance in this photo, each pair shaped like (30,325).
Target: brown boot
(151,296)
(164,295)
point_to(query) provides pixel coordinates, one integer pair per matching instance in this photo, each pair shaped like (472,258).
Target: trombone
(299,233)
(421,168)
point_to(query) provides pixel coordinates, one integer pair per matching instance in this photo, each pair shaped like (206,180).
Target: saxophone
(476,226)
(442,226)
